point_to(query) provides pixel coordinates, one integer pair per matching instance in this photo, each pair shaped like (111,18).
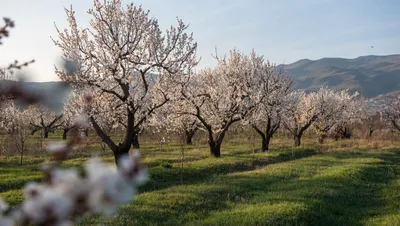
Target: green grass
(347,184)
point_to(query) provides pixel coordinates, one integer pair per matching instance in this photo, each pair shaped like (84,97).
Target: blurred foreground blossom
(66,195)
(82,122)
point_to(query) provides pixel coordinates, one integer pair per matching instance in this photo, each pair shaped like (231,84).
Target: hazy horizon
(284,32)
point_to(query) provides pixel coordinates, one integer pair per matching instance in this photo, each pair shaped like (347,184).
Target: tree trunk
(135,140)
(215,147)
(121,148)
(117,155)
(215,144)
(346,133)
(297,139)
(370,132)
(64,136)
(215,150)
(189,134)
(265,143)
(65,131)
(298,132)
(396,125)
(46,133)
(120,152)
(189,140)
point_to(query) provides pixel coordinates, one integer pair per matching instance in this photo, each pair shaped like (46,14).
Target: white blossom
(59,176)
(131,70)
(392,112)
(335,109)
(221,96)
(50,204)
(32,190)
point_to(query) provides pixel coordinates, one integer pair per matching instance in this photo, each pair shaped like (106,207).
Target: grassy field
(342,183)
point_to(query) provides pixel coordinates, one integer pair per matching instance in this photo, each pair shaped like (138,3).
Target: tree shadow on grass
(179,205)
(161,178)
(340,201)
(336,192)
(340,195)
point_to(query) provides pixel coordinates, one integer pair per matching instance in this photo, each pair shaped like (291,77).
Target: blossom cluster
(392,112)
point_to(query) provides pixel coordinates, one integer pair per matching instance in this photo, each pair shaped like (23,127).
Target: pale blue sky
(281,30)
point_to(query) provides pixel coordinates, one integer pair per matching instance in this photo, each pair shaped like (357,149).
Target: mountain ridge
(370,75)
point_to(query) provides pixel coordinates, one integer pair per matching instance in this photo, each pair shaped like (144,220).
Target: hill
(369,75)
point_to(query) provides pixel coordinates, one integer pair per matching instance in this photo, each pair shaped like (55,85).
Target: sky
(283,31)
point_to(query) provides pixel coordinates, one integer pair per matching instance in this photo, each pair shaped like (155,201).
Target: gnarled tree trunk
(215,148)
(344,133)
(298,131)
(135,141)
(64,136)
(215,144)
(189,134)
(122,148)
(396,125)
(45,133)
(370,131)
(267,135)
(119,152)
(265,143)
(65,131)
(297,140)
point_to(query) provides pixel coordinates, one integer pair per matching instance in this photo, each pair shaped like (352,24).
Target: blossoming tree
(300,113)
(372,118)
(221,96)
(71,108)
(41,118)
(65,196)
(168,119)
(16,122)
(392,113)
(266,118)
(335,108)
(356,112)
(125,55)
